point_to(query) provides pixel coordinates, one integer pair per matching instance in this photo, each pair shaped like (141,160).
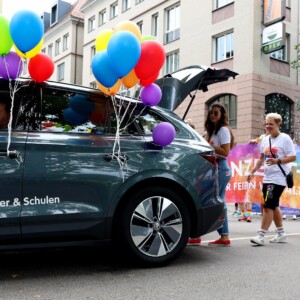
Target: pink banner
(241,160)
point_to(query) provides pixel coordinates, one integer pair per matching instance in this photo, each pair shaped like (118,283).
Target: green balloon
(148,38)
(6,41)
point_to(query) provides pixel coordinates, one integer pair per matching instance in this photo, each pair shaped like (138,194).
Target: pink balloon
(10,66)
(151,94)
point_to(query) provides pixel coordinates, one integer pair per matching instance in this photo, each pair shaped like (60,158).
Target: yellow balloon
(102,39)
(33,52)
(129,26)
(130,79)
(109,91)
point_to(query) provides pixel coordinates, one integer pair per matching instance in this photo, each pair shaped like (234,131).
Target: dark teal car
(68,178)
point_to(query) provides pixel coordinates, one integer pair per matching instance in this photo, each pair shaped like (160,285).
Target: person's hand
(249,176)
(253,141)
(271,161)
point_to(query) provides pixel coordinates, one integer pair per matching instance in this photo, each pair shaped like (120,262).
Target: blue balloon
(102,70)
(124,51)
(26,30)
(82,104)
(75,118)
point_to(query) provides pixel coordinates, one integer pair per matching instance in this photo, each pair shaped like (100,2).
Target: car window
(5,97)
(147,119)
(58,110)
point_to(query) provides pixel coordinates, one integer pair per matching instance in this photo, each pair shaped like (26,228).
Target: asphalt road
(239,271)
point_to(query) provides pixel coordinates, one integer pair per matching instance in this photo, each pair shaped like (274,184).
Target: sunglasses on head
(215,113)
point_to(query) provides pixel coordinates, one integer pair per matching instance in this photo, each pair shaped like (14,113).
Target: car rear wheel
(155,226)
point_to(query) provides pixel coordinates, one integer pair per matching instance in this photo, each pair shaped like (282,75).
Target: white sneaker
(294,217)
(279,238)
(258,240)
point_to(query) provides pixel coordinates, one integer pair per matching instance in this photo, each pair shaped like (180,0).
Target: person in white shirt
(275,149)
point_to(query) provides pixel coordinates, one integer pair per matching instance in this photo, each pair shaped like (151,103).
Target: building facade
(215,33)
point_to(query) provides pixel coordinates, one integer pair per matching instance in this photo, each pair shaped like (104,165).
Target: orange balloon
(130,79)
(110,91)
(129,26)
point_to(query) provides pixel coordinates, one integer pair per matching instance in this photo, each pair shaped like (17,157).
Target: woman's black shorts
(272,193)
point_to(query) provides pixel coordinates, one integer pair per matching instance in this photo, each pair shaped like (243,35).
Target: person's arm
(283,160)
(222,150)
(224,137)
(257,166)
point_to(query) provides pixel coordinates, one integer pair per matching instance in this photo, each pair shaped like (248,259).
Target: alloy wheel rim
(156,226)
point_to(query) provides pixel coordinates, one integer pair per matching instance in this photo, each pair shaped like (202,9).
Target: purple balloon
(151,94)
(163,134)
(10,66)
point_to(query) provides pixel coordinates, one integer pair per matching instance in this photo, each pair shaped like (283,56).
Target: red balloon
(151,60)
(41,67)
(147,81)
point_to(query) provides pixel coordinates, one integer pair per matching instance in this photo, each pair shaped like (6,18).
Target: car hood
(178,85)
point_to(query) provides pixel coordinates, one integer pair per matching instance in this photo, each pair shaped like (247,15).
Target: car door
(70,172)
(12,152)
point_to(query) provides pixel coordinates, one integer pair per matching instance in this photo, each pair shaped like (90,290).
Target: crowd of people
(276,150)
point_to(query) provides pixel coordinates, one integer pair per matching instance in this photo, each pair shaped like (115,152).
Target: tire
(154,226)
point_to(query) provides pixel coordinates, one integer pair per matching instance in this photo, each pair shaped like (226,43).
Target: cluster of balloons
(25,32)
(124,56)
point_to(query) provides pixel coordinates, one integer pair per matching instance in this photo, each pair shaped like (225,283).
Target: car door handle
(10,154)
(110,157)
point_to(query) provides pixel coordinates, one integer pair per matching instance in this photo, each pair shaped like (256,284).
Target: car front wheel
(154,226)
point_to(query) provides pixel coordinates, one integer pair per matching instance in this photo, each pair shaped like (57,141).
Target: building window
(61,72)
(93,52)
(224,46)
(140,26)
(114,10)
(154,25)
(25,67)
(282,105)
(138,1)
(91,24)
(102,17)
(65,42)
(50,47)
(172,62)
(230,103)
(93,85)
(173,24)
(220,3)
(126,4)
(54,14)
(43,50)
(57,47)
(283,54)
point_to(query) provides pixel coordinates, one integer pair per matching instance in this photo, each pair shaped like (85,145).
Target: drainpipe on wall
(298,28)
(75,69)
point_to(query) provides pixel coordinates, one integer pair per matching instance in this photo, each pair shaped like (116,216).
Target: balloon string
(13,88)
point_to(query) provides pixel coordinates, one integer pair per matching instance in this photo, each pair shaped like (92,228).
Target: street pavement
(241,270)
(242,230)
